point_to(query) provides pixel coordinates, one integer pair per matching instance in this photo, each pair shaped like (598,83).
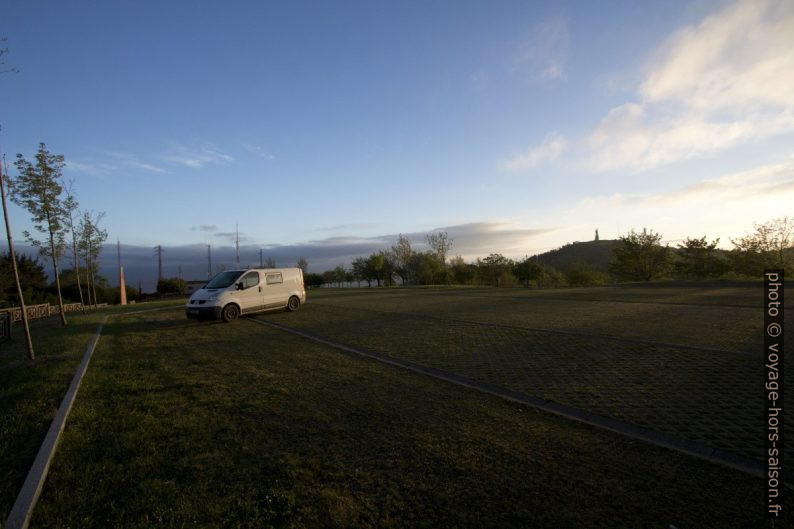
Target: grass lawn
(31,391)
(497,336)
(187,424)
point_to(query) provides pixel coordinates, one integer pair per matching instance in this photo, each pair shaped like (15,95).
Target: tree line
(639,256)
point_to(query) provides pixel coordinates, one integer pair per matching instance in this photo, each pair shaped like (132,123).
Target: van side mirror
(239,285)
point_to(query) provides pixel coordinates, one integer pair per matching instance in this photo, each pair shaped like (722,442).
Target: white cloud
(714,85)
(543,53)
(90,167)
(133,161)
(257,150)
(478,239)
(548,151)
(121,163)
(741,58)
(754,195)
(198,158)
(761,180)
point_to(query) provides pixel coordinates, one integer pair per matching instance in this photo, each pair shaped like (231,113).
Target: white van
(235,292)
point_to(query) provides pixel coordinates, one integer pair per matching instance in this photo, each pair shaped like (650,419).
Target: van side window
(274,279)
(251,280)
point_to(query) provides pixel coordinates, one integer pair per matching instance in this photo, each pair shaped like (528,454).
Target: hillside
(597,254)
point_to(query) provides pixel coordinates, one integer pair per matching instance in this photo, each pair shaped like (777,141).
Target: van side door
(274,290)
(249,292)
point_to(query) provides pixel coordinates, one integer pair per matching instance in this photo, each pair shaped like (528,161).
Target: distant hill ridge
(596,254)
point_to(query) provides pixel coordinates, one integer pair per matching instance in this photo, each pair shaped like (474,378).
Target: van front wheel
(293,304)
(230,312)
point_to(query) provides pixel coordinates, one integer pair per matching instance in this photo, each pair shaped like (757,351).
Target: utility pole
(261,263)
(159,251)
(237,242)
(209,262)
(13,256)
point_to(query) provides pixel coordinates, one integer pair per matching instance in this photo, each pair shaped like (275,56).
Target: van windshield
(224,279)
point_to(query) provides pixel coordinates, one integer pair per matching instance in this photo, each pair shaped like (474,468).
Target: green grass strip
(19,517)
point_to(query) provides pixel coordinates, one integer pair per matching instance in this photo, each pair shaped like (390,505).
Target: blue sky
(518,126)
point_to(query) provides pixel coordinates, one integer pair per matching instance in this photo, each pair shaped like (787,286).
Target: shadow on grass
(119,327)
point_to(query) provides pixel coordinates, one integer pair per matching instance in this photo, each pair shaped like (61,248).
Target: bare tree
(38,189)
(303,264)
(441,244)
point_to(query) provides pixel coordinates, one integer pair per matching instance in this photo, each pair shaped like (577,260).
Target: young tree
(440,243)
(303,264)
(401,257)
(770,246)
(581,274)
(38,189)
(70,206)
(697,258)
(552,278)
(360,271)
(425,268)
(529,269)
(461,272)
(375,268)
(493,267)
(641,257)
(313,280)
(340,274)
(15,271)
(91,238)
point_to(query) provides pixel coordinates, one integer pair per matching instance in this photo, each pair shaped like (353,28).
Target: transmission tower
(237,242)
(159,251)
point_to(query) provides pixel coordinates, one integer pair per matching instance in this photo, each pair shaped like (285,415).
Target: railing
(44,310)
(67,307)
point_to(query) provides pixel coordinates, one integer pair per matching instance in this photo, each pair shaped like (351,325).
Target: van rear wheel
(293,304)
(230,312)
